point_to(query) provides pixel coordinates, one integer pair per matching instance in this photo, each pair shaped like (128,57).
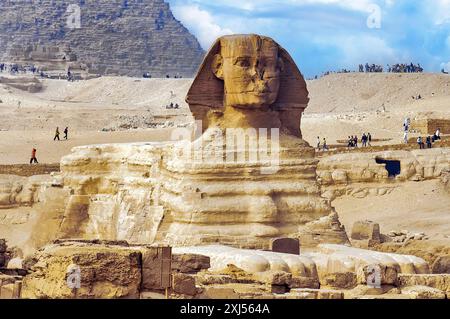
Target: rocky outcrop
(360,174)
(114,37)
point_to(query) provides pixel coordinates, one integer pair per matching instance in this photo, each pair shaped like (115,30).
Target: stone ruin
(236,230)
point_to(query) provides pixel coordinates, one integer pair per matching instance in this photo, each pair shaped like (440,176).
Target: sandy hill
(341,105)
(360,92)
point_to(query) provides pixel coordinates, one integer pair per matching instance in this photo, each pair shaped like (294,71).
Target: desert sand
(120,109)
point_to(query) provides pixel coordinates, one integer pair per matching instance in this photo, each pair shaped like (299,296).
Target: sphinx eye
(243,63)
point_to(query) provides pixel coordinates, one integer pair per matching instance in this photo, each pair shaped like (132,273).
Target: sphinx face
(250,68)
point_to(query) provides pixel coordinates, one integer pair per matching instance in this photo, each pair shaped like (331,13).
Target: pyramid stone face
(114,37)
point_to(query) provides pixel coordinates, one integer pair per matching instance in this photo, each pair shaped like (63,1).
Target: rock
(347,280)
(285,245)
(218,293)
(365,290)
(15,263)
(304,282)
(100,272)
(279,289)
(190,263)
(423,292)
(441,265)
(441,281)
(319,294)
(152,295)
(156,267)
(184,284)
(278,278)
(366,230)
(378,274)
(213,279)
(3,246)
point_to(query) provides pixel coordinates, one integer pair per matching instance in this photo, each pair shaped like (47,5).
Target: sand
(341,105)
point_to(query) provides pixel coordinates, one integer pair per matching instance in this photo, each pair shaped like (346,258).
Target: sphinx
(242,177)
(247,84)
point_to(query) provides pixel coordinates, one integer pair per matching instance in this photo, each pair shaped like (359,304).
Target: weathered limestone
(156,268)
(84,271)
(359,175)
(423,292)
(190,263)
(441,265)
(441,282)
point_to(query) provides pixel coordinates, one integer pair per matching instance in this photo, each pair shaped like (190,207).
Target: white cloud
(201,23)
(446,66)
(362,49)
(441,11)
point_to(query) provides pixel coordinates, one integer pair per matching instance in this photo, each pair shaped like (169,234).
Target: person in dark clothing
(369,139)
(420,142)
(57,135)
(66,133)
(33,157)
(364,140)
(429,144)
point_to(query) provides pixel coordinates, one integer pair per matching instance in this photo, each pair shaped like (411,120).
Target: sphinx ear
(217,66)
(281,64)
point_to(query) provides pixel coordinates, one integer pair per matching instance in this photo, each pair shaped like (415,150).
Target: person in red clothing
(33,157)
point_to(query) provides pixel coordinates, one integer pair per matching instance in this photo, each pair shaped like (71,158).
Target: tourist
(405,137)
(356,141)
(369,139)
(66,133)
(420,142)
(364,140)
(57,134)
(429,144)
(318,143)
(325,146)
(33,157)
(438,134)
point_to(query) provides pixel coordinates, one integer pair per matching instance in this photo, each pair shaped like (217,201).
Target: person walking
(325,146)
(318,143)
(405,137)
(364,140)
(66,133)
(33,157)
(57,135)
(369,139)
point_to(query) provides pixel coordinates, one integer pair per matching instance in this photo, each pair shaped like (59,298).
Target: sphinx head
(250,67)
(250,74)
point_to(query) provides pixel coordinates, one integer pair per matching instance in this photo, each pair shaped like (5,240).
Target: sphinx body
(247,98)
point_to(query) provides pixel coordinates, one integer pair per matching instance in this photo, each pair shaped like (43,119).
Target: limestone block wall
(430,126)
(115,37)
(358,173)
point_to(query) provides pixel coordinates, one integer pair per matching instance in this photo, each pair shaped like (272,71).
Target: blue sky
(326,35)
